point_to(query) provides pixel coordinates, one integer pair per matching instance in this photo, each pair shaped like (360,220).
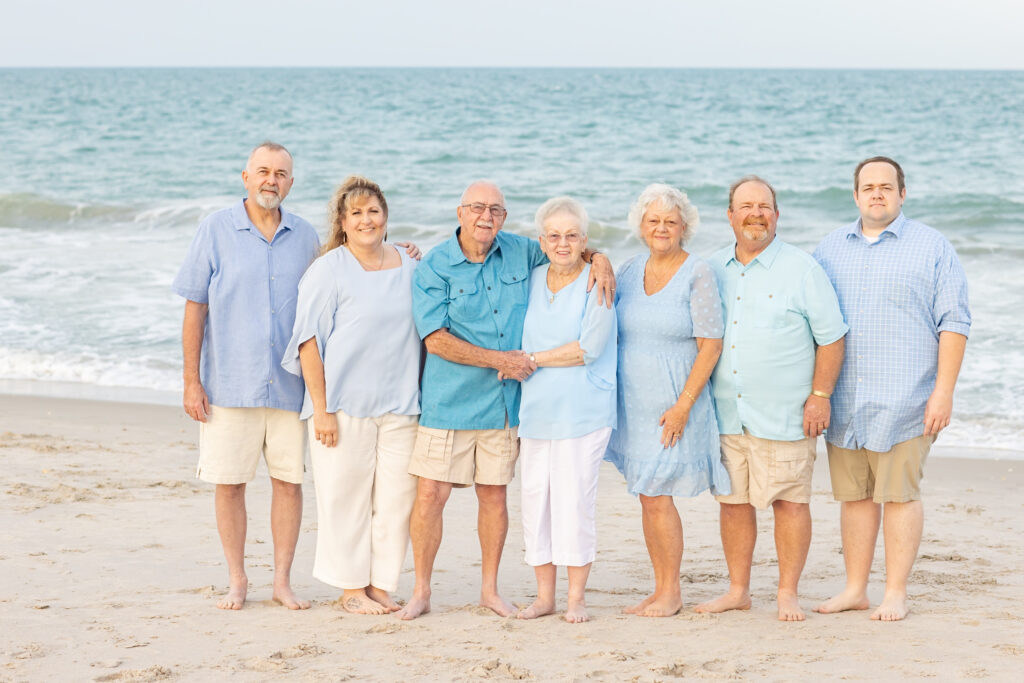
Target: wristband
(820,394)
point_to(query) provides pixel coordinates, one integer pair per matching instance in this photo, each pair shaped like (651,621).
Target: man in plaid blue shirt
(904,296)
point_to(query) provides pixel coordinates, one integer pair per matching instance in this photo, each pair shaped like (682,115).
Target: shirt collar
(766,258)
(896,227)
(241,219)
(455,253)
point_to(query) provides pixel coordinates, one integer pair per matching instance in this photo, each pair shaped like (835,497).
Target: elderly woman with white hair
(670,336)
(567,410)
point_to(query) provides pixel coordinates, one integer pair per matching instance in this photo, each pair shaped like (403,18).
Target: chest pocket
(770,311)
(464,301)
(515,286)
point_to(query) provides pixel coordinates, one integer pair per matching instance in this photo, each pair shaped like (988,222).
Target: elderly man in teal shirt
(469,302)
(782,352)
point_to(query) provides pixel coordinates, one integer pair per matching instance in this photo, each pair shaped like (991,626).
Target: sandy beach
(110,567)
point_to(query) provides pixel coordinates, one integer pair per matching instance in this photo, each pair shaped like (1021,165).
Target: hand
(197,405)
(325,427)
(937,412)
(411,249)
(817,414)
(515,365)
(603,276)
(674,422)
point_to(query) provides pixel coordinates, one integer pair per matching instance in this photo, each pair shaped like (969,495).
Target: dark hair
(900,179)
(753,179)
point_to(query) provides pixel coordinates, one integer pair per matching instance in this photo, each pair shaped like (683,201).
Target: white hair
(670,198)
(566,205)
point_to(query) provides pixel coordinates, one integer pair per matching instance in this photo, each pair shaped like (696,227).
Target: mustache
(269,188)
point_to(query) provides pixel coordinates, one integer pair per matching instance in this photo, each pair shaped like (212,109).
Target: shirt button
(734,372)
(733,322)
(495,310)
(460,291)
(488,287)
(737,298)
(739,395)
(513,278)
(271,381)
(733,346)
(743,274)
(272,277)
(502,334)
(859,379)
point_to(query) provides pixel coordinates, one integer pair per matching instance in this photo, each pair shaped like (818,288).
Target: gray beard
(759,236)
(268,202)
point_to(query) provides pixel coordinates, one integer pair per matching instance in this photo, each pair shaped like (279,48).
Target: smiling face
(662,229)
(480,229)
(364,222)
(878,195)
(563,241)
(753,216)
(268,177)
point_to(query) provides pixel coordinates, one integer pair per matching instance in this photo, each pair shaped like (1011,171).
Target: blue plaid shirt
(897,295)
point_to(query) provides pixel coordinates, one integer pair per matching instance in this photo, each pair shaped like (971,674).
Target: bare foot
(847,600)
(235,597)
(662,607)
(893,608)
(498,605)
(638,607)
(577,612)
(283,595)
(734,599)
(382,597)
(357,602)
(789,607)
(537,609)
(416,606)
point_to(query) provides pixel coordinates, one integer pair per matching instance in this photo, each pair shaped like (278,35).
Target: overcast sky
(910,34)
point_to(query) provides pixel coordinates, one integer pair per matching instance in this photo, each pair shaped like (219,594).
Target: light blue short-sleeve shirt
(483,304)
(777,308)
(565,403)
(250,285)
(362,323)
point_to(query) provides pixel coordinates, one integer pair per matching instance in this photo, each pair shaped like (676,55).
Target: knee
(286,489)
(491,496)
(231,491)
(785,508)
(657,505)
(431,497)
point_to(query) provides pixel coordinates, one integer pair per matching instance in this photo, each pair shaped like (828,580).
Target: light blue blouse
(363,324)
(565,403)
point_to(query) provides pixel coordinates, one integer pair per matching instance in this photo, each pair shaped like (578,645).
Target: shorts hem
(432,476)
(897,499)
(225,479)
(287,477)
(851,497)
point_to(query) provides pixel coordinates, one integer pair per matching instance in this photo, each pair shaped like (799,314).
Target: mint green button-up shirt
(777,309)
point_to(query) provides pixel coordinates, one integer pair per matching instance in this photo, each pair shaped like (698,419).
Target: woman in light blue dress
(670,336)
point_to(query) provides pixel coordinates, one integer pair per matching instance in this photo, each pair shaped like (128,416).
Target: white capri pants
(364,497)
(559,484)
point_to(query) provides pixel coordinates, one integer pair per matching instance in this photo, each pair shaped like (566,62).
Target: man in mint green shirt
(782,352)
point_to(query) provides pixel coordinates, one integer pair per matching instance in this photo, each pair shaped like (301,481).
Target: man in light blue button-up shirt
(240,281)
(904,294)
(782,351)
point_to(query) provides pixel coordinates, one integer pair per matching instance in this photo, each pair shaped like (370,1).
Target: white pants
(364,497)
(559,482)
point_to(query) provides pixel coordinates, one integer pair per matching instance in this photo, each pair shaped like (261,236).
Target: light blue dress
(657,348)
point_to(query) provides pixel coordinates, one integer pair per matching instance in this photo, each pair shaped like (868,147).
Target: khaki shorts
(891,477)
(764,470)
(466,456)
(232,440)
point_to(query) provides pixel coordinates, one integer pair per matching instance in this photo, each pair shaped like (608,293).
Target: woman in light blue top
(670,330)
(567,410)
(355,346)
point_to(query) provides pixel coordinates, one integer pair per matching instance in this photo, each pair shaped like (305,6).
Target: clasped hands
(515,365)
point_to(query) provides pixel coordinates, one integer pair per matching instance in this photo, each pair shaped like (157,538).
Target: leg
(545,602)
(663,533)
(792,540)
(425,528)
(903,525)
(858,521)
(577,611)
(738,526)
(285,520)
(492,527)
(229,503)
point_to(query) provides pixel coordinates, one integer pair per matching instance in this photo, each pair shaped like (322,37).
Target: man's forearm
(192,330)
(446,345)
(951,355)
(828,361)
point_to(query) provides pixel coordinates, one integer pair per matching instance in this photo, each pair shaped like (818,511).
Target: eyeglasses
(569,237)
(477,207)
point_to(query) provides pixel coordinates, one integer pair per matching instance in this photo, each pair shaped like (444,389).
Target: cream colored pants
(364,497)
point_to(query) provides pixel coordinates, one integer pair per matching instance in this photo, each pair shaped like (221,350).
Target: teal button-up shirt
(777,307)
(485,305)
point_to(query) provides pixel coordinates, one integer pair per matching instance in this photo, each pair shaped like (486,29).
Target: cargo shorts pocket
(437,444)
(792,464)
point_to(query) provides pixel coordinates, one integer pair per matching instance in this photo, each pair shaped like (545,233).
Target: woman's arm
(564,356)
(325,424)
(674,419)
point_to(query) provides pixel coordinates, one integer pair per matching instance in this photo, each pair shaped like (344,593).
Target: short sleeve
(429,300)
(535,254)
(314,313)
(820,306)
(950,310)
(597,328)
(705,303)
(193,279)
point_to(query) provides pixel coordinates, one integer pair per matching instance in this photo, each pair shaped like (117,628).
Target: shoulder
(631,264)
(699,266)
(719,258)
(798,257)
(834,240)
(325,267)
(542,270)
(511,243)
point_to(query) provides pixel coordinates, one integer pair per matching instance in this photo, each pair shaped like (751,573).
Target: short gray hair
(671,198)
(754,179)
(557,205)
(270,146)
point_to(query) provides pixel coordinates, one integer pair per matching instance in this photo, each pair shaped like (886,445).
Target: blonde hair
(353,187)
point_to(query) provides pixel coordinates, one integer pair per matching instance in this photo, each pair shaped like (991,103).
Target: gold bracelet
(820,394)
(689,395)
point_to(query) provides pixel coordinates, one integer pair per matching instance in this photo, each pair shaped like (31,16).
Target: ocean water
(110,170)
